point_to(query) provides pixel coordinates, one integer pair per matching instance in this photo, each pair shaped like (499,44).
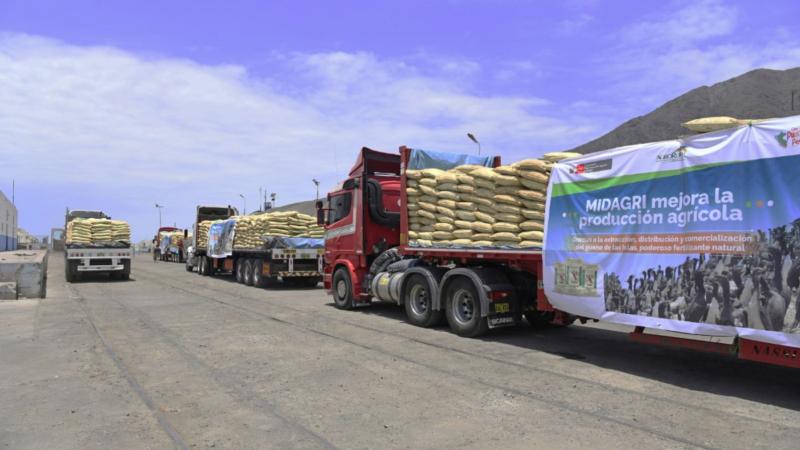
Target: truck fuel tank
(386,286)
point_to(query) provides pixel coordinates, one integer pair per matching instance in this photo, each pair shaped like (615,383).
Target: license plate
(502,307)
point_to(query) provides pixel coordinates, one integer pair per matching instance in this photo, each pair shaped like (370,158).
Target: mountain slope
(758,94)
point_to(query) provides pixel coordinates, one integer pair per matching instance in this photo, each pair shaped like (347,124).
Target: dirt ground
(174,360)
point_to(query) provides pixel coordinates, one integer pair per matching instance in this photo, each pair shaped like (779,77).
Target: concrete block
(8,290)
(27,270)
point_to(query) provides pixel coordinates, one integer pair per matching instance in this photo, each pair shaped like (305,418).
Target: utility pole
(159,214)
(316,183)
(244,206)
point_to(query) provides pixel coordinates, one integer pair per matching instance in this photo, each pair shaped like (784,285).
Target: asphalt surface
(171,359)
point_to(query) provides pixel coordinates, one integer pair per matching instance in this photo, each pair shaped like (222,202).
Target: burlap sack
(507,180)
(506,170)
(485,193)
(428,198)
(507,199)
(531,164)
(427,229)
(461,242)
(507,190)
(505,226)
(442,235)
(506,208)
(484,173)
(505,236)
(452,187)
(431,182)
(536,206)
(532,235)
(482,236)
(482,243)
(426,190)
(487,209)
(530,244)
(443,227)
(410,191)
(466,206)
(536,177)
(558,156)
(463,178)
(482,227)
(427,235)
(535,196)
(431,173)
(424,242)
(484,183)
(449,204)
(446,211)
(412,207)
(508,217)
(463,224)
(447,178)
(425,213)
(414,226)
(445,219)
(532,214)
(531,225)
(413,235)
(477,200)
(465,215)
(462,233)
(427,220)
(485,217)
(506,244)
(448,195)
(414,174)
(467,168)
(425,206)
(465,188)
(533,185)
(412,183)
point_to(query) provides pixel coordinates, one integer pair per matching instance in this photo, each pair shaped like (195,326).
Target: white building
(8,224)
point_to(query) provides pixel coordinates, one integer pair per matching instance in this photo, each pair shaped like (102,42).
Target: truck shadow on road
(610,349)
(99,278)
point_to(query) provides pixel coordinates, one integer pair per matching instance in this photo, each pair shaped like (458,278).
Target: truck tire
(258,275)
(418,303)
(342,289)
(126,270)
(248,272)
(71,270)
(239,270)
(201,266)
(188,266)
(210,270)
(463,309)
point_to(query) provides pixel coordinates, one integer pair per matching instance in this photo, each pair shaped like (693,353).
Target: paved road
(175,360)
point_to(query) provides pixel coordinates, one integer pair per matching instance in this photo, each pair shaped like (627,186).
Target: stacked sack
(202,233)
(120,231)
(250,229)
(79,231)
(97,231)
(477,206)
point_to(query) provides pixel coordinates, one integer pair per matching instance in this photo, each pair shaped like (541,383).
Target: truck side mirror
(320,214)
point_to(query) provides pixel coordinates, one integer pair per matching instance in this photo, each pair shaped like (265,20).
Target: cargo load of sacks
(96,231)
(175,238)
(202,233)
(476,206)
(250,229)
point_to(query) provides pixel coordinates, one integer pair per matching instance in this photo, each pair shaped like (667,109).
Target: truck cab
(192,252)
(362,222)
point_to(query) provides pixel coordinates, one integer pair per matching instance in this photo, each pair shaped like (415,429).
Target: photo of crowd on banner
(759,291)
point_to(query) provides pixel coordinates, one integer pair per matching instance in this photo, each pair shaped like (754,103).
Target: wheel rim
(341,290)
(419,299)
(256,275)
(463,306)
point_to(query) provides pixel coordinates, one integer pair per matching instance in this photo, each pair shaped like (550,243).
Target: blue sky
(118,105)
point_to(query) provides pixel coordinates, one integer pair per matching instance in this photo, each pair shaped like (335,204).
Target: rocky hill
(758,94)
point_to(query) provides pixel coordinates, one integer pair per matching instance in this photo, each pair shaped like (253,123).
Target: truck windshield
(339,207)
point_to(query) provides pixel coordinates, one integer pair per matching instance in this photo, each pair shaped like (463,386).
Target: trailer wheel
(240,270)
(258,276)
(188,266)
(418,303)
(201,266)
(210,270)
(342,289)
(70,271)
(248,272)
(463,309)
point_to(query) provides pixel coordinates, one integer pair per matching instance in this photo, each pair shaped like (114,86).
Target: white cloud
(692,22)
(146,129)
(574,24)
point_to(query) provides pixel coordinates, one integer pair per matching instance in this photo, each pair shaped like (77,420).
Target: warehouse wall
(8,224)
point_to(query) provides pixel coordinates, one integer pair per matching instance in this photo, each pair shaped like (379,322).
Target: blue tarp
(293,242)
(426,159)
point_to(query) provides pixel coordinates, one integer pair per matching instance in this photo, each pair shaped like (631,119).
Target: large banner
(700,235)
(220,238)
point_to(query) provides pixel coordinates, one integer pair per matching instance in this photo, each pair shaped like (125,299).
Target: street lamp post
(244,204)
(159,214)
(473,139)
(273,196)
(316,183)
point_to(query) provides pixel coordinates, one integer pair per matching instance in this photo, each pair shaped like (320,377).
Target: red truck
(163,247)
(367,256)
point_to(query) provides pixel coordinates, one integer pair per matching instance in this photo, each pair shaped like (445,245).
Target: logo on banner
(674,156)
(789,137)
(590,167)
(575,277)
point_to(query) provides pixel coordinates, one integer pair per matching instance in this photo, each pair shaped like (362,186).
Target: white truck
(113,257)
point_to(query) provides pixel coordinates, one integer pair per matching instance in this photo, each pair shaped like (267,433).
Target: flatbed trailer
(113,258)
(368,256)
(264,267)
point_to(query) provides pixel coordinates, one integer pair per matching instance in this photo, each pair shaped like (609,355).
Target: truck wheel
(126,270)
(240,270)
(210,270)
(258,276)
(463,309)
(201,266)
(248,272)
(342,289)
(188,266)
(69,272)
(418,304)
